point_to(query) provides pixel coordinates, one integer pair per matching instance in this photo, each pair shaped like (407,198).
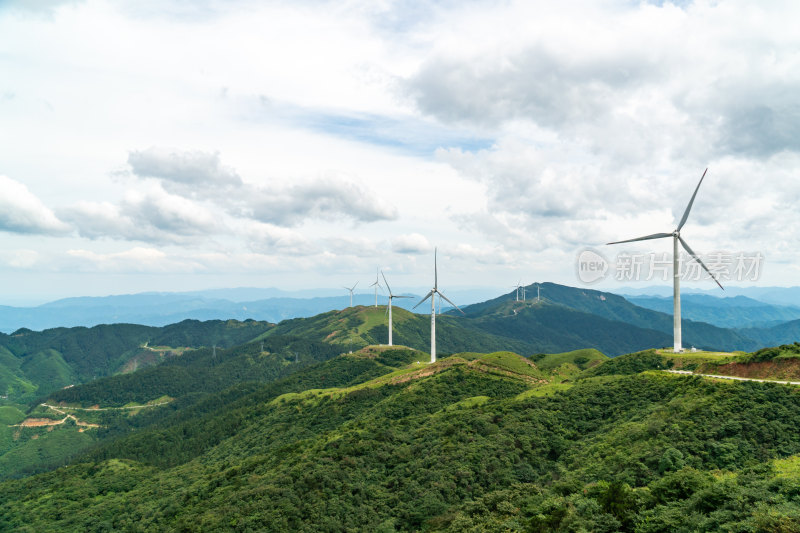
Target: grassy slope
(582,359)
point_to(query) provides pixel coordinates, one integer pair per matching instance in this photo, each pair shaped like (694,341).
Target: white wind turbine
(389,307)
(432,296)
(376,285)
(351,289)
(519,287)
(676,272)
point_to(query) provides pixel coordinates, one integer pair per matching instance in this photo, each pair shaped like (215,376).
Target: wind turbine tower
(351,289)
(376,284)
(389,307)
(676,271)
(432,296)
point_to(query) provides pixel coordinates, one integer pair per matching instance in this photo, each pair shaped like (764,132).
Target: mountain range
(566,318)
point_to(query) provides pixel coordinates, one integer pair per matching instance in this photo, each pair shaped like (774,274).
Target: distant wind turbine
(676,288)
(432,296)
(376,284)
(389,307)
(519,286)
(351,289)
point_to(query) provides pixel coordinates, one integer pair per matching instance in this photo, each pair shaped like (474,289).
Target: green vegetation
(582,359)
(785,351)
(466,444)
(631,364)
(34,364)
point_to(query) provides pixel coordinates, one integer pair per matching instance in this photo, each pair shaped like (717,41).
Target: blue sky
(175,145)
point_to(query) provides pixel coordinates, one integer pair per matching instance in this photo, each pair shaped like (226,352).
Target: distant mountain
(786,333)
(33,364)
(734,312)
(160,309)
(616,308)
(784,296)
(501,324)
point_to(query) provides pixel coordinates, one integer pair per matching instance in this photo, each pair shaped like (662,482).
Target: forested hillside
(472,443)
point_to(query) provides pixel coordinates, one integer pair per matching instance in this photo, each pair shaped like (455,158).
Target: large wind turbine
(351,289)
(389,307)
(376,285)
(432,295)
(676,272)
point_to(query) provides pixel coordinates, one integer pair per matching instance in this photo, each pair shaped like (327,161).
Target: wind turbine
(351,289)
(519,286)
(389,307)
(676,288)
(432,296)
(376,285)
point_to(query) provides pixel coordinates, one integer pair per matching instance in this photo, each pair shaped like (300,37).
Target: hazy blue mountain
(161,309)
(734,312)
(786,296)
(786,333)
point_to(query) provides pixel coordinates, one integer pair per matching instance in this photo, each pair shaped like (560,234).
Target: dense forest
(375,441)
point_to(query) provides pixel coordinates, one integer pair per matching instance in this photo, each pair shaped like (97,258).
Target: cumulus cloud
(411,243)
(152,215)
(268,238)
(184,170)
(322,198)
(640,81)
(201,175)
(22,212)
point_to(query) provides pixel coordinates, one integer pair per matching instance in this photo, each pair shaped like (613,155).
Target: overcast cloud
(254,143)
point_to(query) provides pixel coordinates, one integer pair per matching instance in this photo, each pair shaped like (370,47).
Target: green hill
(582,359)
(33,364)
(375,441)
(615,308)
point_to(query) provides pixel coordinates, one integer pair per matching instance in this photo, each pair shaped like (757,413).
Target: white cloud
(149,215)
(411,243)
(22,212)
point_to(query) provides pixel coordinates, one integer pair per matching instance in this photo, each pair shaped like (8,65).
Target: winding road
(735,378)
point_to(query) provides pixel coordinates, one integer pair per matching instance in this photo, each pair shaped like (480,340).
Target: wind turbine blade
(387,285)
(428,296)
(691,252)
(645,238)
(451,303)
(399,296)
(435,271)
(689,207)
(354,287)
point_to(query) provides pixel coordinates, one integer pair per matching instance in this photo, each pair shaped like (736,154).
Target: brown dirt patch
(39,422)
(489,369)
(435,368)
(785,369)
